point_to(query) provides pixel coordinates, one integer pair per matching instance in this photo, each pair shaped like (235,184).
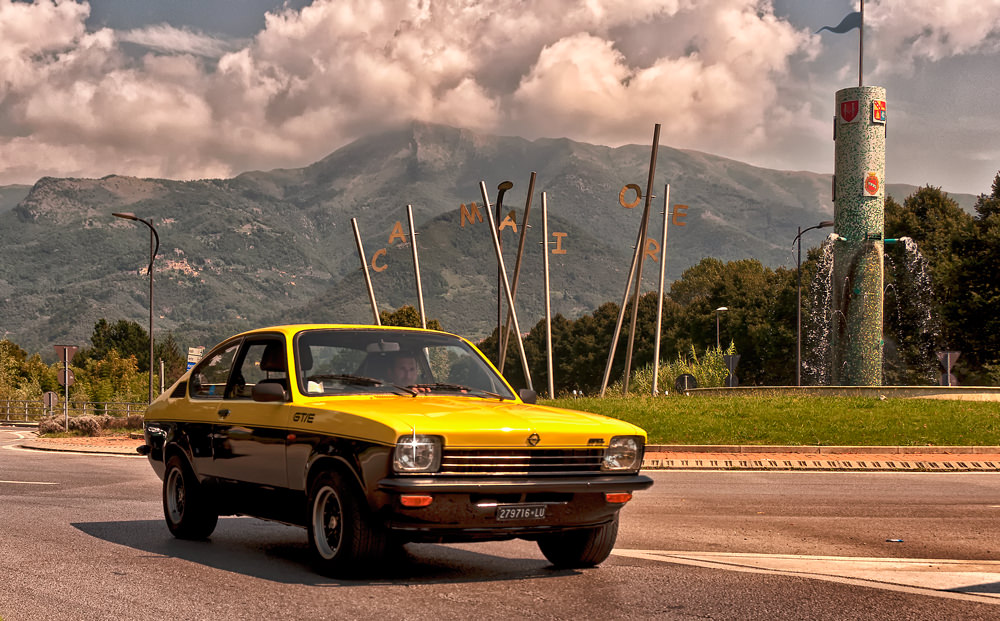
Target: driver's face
(404,371)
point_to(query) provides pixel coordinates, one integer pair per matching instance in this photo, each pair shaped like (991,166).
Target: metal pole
(621,316)
(659,299)
(548,305)
(416,266)
(505,334)
(798,311)
(161,376)
(506,284)
(861,44)
(153,235)
(152,257)
(639,247)
(501,190)
(66,386)
(638,274)
(364,267)
(717,346)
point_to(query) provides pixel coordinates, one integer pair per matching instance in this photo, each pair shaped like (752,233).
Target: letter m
(471,213)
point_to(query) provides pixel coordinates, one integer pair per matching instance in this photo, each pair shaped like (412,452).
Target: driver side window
(209,378)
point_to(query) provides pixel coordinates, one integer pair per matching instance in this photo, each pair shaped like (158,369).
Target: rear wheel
(189,512)
(342,538)
(580,548)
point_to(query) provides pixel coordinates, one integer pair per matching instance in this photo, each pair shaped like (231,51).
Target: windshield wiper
(347,379)
(359,380)
(457,388)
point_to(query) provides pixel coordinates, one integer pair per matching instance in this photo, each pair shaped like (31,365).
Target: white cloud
(930,30)
(167,39)
(715,73)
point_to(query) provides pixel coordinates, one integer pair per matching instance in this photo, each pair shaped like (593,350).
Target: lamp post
(153,236)
(717,311)
(798,274)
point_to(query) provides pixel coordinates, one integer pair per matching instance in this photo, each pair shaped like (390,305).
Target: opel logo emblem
(534,439)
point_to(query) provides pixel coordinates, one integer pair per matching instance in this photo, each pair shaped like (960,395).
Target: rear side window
(209,378)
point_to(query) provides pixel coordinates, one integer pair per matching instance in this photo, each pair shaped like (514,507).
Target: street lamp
(717,311)
(152,256)
(798,274)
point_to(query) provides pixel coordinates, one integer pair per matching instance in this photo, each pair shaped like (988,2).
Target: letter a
(509,222)
(397,232)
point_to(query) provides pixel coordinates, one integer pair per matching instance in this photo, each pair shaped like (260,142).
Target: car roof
(289,329)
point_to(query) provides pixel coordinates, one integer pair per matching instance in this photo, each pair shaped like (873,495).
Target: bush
(709,371)
(51,424)
(134,421)
(86,425)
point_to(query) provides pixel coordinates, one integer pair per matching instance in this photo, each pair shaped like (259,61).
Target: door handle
(223,413)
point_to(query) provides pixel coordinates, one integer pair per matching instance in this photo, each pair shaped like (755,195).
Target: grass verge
(802,421)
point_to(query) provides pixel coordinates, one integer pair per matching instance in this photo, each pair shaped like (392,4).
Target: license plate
(521,512)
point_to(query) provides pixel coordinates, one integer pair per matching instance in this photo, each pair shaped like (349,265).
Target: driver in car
(404,370)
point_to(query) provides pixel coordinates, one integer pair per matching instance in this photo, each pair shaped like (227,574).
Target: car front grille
(521,462)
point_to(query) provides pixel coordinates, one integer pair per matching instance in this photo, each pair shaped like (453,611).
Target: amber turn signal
(415,501)
(618,498)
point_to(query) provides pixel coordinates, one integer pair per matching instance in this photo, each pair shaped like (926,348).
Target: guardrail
(15,410)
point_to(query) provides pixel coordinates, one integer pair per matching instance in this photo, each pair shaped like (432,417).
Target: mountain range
(278,246)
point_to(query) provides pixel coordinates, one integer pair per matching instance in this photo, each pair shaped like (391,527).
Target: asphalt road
(83,538)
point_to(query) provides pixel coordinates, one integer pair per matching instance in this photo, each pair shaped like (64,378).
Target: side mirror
(268,392)
(528,396)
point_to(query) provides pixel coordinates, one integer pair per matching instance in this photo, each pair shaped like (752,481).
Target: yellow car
(370,437)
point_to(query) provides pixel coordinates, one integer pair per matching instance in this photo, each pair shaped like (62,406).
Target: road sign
(685,381)
(50,399)
(731,361)
(66,352)
(65,377)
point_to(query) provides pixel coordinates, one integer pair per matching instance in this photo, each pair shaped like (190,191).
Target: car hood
(468,422)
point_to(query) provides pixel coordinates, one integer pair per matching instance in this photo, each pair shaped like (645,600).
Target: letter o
(621,195)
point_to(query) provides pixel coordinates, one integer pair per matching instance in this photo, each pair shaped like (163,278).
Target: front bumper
(466,509)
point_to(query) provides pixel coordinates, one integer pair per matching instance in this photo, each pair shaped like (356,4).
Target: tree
(111,378)
(974,312)
(128,338)
(174,362)
(406,316)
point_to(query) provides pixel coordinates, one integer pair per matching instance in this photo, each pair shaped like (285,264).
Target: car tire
(343,540)
(580,548)
(188,510)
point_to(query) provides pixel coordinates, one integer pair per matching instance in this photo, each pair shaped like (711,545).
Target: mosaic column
(859,216)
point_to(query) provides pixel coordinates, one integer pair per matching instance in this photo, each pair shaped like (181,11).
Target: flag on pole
(852,21)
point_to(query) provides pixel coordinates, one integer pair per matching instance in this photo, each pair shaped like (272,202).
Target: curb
(52,447)
(822,450)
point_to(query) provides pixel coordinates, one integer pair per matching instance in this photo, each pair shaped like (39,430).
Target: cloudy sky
(210,88)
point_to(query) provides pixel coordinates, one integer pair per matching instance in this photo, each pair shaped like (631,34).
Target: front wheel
(341,537)
(190,513)
(580,548)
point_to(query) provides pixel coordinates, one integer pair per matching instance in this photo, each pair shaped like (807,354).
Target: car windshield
(352,361)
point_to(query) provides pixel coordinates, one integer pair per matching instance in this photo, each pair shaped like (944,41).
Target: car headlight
(623,453)
(417,454)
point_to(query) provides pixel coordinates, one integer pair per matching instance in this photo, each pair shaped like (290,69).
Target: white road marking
(29,482)
(977,581)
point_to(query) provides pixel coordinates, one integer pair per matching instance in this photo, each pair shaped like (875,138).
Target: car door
(206,404)
(249,436)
